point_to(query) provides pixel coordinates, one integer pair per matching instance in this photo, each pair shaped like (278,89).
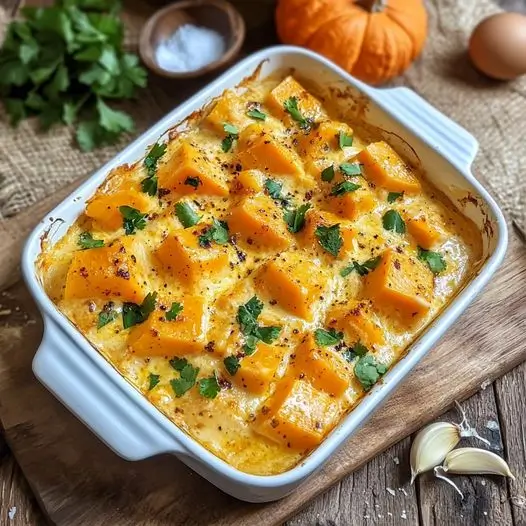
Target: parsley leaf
(254,113)
(174,311)
(434,260)
(217,232)
(133,314)
(153,380)
(186,215)
(193,181)
(327,174)
(268,334)
(247,316)
(344,188)
(325,338)
(209,387)
(273,189)
(106,315)
(393,196)
(368,371)
(232,364)
(295,218)
(178,363)
(362,269)
(132,219)
(86,241)
(232,134)
(351,169)
(344,140)
(188,376)
(149,184)
(359,349)
(392,220)
(291,107)
(330,238)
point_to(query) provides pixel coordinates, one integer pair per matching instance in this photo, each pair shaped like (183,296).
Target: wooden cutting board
(78,480)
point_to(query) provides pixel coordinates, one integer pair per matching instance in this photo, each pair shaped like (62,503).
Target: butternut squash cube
(322,139)
(297,415)
(315,218)
(294,282)
(226,109)
(309,106)
(401,282)
(324,368)
(259,149)
(257,371)
(158,336)
(385,168)
(356,321)
(423,232)
(114,271)
(103,208)
(259,221)
(353,204)
(183,257)
(248,182)
(190,162)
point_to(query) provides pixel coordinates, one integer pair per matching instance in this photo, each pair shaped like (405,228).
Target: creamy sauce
(287,396)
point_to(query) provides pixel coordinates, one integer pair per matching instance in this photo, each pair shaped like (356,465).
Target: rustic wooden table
(379,492)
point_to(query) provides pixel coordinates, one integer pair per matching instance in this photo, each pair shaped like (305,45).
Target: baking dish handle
(449,138)
(88,386)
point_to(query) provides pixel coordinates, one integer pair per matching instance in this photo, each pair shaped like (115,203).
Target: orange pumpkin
(374,40)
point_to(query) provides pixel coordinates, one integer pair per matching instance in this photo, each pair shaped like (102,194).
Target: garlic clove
(431,445)
(475,461)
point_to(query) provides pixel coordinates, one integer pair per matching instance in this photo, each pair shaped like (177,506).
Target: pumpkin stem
(373,6)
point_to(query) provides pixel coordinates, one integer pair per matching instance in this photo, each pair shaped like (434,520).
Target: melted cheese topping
(286,397)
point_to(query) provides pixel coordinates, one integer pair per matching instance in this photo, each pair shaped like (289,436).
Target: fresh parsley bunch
(63,63)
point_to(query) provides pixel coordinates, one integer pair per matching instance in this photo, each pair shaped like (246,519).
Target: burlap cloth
(34,165)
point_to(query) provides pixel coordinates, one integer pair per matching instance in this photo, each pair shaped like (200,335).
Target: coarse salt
(190,48)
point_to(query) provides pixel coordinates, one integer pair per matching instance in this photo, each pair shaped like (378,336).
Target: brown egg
(498,46)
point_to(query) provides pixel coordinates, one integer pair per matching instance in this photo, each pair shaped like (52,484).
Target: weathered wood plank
(510,394)
(378,493)
(485,500)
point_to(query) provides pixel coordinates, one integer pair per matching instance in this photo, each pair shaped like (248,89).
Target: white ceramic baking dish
(117,413)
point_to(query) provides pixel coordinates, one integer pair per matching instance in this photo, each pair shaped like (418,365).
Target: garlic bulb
(431,445)
(474,461)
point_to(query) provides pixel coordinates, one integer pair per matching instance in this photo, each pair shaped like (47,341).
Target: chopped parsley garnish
(133,314)
(344,140)
(178,363)
(392,220)
(328,338)
(153,380)
(360,349)
(186,215)
(188,376)
(232,364)
(295,218)
(327,174)
(232,134)
(291,107)
(174,311)
(362,269)
(209,387)
(434,260)
(394,196)
(217,232)
(86,241)
(273,189)
(132,219)
(344,188)
(149,184)
(106,315)
(193,181)
(254,113)
(368,371)
(247,316)
(351,169)
(330,238)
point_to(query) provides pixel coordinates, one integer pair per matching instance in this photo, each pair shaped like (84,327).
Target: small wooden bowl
(219,15)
